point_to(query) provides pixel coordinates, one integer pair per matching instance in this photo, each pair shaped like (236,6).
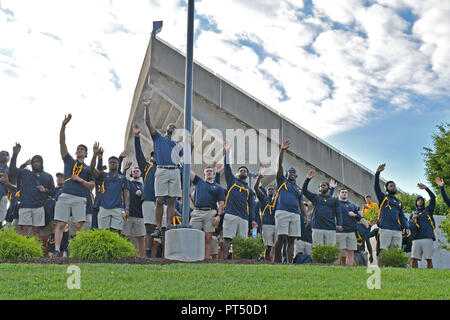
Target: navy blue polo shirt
(207,194)
(147,171)
(112,188)
(71,167)
(3,174)
(135,200)
(267,211)
(163,146)
(31,197)
(288,196)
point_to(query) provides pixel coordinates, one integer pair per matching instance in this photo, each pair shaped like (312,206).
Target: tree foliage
(437,158)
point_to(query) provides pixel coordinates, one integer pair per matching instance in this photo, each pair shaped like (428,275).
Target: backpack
(302,258)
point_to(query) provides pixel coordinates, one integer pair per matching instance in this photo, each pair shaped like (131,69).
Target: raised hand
(67,119)
(286,143)
(146,102)
(100,152)
(381,167)
(96,148)
(127,165)
(219,167)
(311,174)
(227,145)
(439,181)
(124,154)
(421,186)
(333,183)
(136,129)
(17,148)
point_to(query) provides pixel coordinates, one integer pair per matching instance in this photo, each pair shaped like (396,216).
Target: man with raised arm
(115,194)
(206,197)
(36,187)
(440,183)
(391,219)
(289,207)
(421,223)
(239,203)
(134,226)
(167,175)
(148,170)
(78,183)
(4,158)
(327,216)
(346,238)
(269,233)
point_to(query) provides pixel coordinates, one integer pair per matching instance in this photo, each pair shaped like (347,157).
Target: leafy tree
(437,159)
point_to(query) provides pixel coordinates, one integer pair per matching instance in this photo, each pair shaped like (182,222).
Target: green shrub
(445,227)
(250,248)
(15,246)
(394,257)
(325,254)
(100,245)
(371,214)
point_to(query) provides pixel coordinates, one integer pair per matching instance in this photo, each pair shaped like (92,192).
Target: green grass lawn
(219,281)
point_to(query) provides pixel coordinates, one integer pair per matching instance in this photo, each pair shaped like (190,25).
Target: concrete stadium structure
(220,105)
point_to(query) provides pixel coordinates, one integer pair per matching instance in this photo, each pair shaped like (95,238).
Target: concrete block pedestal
(184,244)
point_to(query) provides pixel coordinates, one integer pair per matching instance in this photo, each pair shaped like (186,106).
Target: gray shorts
(3,208)
(269,234)
(167,182)
(303,247)
(134,227)
(110,218)
(148,212)
(422,248)
(234,226)
(202,220)
(32,217)
(48,229)
(322,237)
(390,238)
(214,245)
(346,240)
(288,223)
(86,225)
(69,204)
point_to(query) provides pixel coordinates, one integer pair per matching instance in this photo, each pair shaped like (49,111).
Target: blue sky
(371,77)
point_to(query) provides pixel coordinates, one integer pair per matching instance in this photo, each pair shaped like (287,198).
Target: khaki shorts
(3,208)
(288,223)
(346,240)
(303,247)
(167,182)
(48,229)
(110,218)
(202,220)
(68,204)
(214,245)
(269,234)
(234,226)
(32,217)
(322,237)
(86,225)
(390,238)
(134,227)
(148,212)
(422,248)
